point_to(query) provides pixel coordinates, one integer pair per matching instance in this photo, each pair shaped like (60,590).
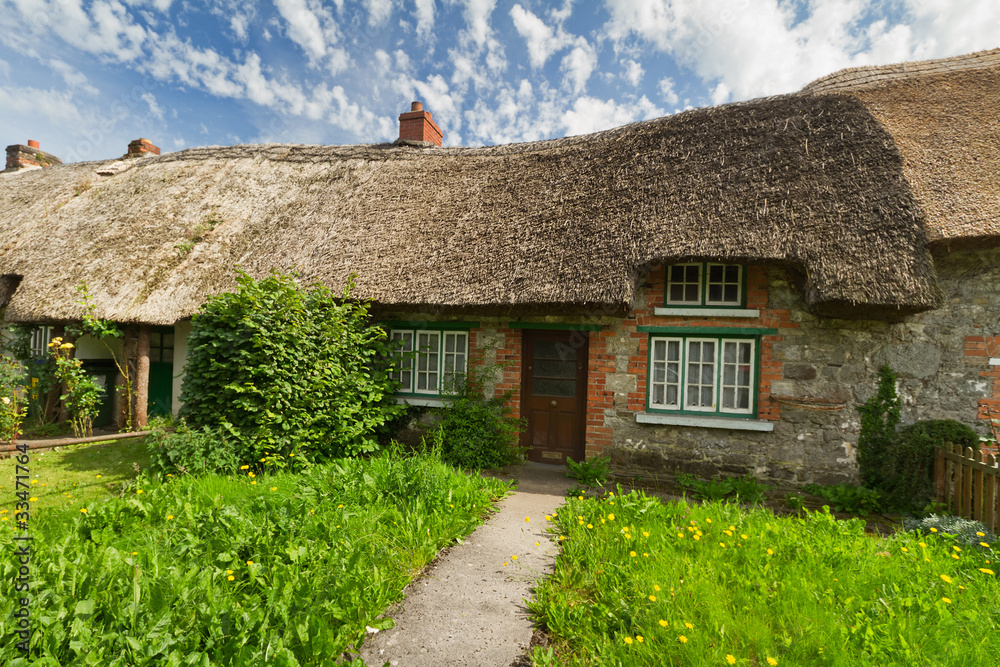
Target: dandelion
(84,511)
(611,517)
(170,517)
(548,518)
(628,640)
(527,519)
(230,577)
(537,544)
(98,477)
(562,537)
(135,553)
(244,467)
(274,488)
(138,492)
(632,554)
(744,537)
(652,598)
(682,639)
(933,529)
(986,570)
(955,556)
(730,659)
(697,537)
(905,549)
(249,562)
(253,482)
(770,553)
(656,588)
(957,548)
(590,525)
(946,600)
(980,534)
(514,557)
(722,544)
(945,578)
(680,535)
(639,638)
(229,571)
(34,481)
(689,626)
(581,497)
(31,500)
(339,506)
(771,661)
(663,623)
(645,533)
(708,521)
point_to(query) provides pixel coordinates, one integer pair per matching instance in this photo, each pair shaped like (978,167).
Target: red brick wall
(979,350)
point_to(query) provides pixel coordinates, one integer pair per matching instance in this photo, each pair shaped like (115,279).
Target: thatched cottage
(710,291)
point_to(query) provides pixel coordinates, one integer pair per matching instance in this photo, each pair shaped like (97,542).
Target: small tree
(106,331)
(288,370)
(879,416)
(83,395)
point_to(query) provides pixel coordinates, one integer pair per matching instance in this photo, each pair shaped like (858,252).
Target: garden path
(468,607)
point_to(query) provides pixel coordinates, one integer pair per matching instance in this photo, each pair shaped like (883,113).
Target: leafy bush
(967,531)
(189,450)
(848,498)
(11,395)
(83,394)
(593,472)
(479,432)
(287,369)
(908,466)
(743,489)
(879,416)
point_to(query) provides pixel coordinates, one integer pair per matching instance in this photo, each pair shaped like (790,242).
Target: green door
(161,371)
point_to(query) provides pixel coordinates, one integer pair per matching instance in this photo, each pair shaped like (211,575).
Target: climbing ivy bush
(879,416)
(280,368)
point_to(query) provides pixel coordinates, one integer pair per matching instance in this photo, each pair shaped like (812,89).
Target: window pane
(732,274)
(701,373)
(664,373)
(691,293)
(168,340)
(674,350)
(715,273)
(692,273)
(737,376)
(555,369)
(724,284)
(732,293)
(714,292)
(684,284)
(550,387)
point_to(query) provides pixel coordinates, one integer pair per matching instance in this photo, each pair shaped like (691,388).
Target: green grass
(75,475)
(280,570)
(717,584)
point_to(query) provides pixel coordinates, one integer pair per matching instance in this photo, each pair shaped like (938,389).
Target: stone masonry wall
(813,376)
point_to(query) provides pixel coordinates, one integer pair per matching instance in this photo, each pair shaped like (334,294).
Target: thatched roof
(813,182)
(944,116)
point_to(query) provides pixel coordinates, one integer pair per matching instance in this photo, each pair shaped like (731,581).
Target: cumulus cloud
(666,87)
(542,40)
(579,64)
(590,114)
(424,11)
(154,108)
(303,27)
(633,72)
(379,12)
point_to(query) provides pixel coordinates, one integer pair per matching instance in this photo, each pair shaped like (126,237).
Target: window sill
(422,402)
(708,312)
(705,422)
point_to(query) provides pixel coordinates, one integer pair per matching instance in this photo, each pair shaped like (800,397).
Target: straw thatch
(944,116)
(811,182)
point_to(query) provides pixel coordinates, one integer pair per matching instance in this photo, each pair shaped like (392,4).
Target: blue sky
(84,77)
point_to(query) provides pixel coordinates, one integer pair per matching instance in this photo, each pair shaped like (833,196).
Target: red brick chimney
(139,147)
(417,127)
(20,157)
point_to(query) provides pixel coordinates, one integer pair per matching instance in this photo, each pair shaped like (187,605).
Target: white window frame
(739,285)
(704,268)
(412,359)
(719,343)
(40,339)
(701,286)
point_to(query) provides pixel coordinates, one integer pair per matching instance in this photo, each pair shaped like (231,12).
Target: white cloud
(104,28)
(424,10)
(579,64)
(633,72)
(162,5)
(593,115)
(477,17)
(379,12)
(542,40)
(667,91)
(154,108)
(303,27)
(4,68)
(721,93)
(73,77)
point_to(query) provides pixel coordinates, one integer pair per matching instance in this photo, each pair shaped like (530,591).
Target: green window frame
(429,362)
(703,374)
(705,285)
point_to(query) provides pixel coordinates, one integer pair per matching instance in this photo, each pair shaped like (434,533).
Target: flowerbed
(645,583)
(280,570)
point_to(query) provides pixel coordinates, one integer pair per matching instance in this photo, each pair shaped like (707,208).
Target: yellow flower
(34,481)
(66,346)
(244,467)
(170,517)
(955,556)
(980,534)
(708,521)
(652,598)
(731,659)
(984,544)
(590,525)
(772,661)
(933,529)
(770,553)
(548,518)
(956,548)
(722,544)
(656,588)
(98,477)
(84,511)
(946,600)
(339,506)
(632,554)
(514,557)
(135,553)
(581,497)
(229,571)
(986,570)
(697,537)
(680,535)
(663,623)
(274,488)
(31,500)
(689,626)
(253,482)
(230,577)
(527,519)
(249,562)
(639,638)
(611,517)
(923,545)
(744,537)
(682,639)
(945,578)
(139,491)
(628,640)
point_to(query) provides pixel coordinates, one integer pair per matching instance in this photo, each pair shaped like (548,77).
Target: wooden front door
(554,394)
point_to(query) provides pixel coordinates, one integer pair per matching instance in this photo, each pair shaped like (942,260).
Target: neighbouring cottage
(708,292)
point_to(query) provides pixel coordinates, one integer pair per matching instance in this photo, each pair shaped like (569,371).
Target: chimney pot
(138,147)
(417,127)
(33,144)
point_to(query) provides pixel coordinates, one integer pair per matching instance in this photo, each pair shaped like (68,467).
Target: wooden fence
(968,483)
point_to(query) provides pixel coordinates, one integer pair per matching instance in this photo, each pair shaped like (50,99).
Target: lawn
(640,582)
(284,569)
(74,476)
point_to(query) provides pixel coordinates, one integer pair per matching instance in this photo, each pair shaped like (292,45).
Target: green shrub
(743,489)
(879,416)
(848,498)
(287,369)
(479,433)
(966,531)
(194,451)
(589,473)
(908,467)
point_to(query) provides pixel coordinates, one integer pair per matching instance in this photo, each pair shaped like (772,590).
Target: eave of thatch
(944,117)
(814,183)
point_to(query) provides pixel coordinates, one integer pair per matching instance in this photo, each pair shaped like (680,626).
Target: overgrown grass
(280,570)
(643,583)
(74,476)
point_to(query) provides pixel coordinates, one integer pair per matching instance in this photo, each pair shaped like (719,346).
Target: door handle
(554,403)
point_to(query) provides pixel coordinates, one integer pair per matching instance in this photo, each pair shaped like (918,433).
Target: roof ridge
(868,76)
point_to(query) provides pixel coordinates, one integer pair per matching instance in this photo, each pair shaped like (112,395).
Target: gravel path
(468,608)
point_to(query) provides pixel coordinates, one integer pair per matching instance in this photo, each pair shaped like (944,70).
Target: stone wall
(814,374)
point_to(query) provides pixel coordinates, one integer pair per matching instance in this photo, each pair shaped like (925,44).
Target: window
(161,346)
(430,362)
(40,338)
(705,284)
(702,374)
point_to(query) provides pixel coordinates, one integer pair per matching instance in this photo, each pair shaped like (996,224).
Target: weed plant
(242,570)
(593,472)
(744,489)
(645,583)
